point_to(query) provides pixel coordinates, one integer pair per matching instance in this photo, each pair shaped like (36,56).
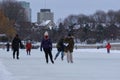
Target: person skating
(46,45)
(28,47)
(8,46)
(108,46)
(69,43)
(60,48)
(16,42)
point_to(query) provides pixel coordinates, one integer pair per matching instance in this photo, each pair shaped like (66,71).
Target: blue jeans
(62,55)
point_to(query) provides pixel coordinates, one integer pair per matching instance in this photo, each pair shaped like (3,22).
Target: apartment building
(44,15)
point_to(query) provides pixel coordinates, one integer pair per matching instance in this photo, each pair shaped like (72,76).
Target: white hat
(46,33)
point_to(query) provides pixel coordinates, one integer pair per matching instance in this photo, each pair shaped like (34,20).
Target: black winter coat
(60,45)
(16,43)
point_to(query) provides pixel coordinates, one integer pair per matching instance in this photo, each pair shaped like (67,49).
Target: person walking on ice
(108,46)
(69,43)
(8,46)
(60,48)
(15,46)
(46,45)
(28,47)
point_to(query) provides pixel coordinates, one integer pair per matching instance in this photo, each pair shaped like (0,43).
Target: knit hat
(46,33)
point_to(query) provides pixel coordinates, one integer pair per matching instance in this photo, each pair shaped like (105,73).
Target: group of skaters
(64,47)
(16,44)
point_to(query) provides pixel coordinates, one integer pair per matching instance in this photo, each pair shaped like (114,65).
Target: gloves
(66,44)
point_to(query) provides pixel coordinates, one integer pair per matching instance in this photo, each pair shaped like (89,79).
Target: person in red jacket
(28,47)
(108,46)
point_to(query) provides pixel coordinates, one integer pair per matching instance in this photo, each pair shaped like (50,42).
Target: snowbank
(4,74)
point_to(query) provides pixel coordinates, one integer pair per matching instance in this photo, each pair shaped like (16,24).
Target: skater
(28,47)
(60,48)
(69,43)
(108,46)
(15,46)
(46,45)
(8,46)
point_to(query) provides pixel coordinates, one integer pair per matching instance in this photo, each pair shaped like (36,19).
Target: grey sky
(63,8)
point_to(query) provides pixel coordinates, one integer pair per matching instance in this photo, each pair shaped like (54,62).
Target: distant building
(44,15)
(26,5)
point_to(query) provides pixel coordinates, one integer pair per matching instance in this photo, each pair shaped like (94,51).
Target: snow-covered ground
(89,64)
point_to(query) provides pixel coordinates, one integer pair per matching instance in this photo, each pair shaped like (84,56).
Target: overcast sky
(63,8)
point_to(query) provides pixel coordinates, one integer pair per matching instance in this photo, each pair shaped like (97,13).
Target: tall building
(26,5)
(44,15)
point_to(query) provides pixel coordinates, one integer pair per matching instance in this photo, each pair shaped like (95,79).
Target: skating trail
(89,64)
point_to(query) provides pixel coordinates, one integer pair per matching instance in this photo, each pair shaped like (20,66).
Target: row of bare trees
(92,28)
(13,19)
(14,11)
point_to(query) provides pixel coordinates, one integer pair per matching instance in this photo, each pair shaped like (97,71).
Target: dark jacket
(60,45)
(46,44)
(70,43)
(16,43)
(8,45)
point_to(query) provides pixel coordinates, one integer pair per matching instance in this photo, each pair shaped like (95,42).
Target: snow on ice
(89,64)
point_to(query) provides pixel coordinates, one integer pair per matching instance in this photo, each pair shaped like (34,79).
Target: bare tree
(14,11)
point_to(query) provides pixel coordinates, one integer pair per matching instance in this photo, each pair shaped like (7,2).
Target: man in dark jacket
(46,44)
(16,43)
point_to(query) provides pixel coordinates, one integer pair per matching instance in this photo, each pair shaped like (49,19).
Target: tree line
(98,27)
(93,28)
(13,19)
